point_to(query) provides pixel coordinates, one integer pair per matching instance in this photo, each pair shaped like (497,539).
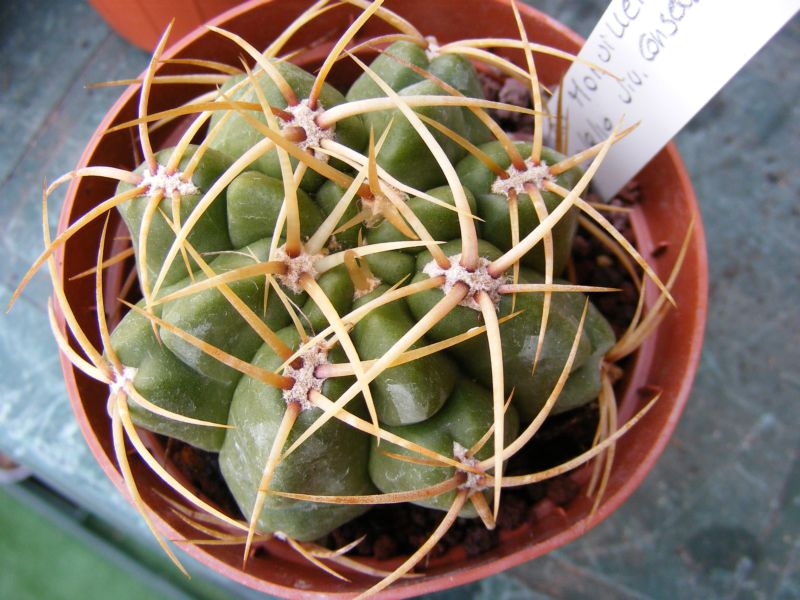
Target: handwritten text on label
(668,58)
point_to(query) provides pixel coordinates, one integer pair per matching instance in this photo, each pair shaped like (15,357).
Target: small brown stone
(512,512)
(384,547)
(479,540)
(562,490)
(660,249)
(490,85)
(580,246)
(605,261)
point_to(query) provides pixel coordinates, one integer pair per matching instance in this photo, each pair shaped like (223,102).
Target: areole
(670,206)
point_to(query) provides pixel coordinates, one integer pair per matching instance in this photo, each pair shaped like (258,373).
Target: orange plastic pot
(668,360)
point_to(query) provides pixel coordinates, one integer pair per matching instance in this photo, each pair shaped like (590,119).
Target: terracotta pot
(668,359)
(142,22)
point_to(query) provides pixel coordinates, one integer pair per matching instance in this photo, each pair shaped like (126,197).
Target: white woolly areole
(333,244)
(161,181)
(121,378)
(305,118)
(391,192)
(374,207)
(517,179)
(376,204)
(474,481)
(295,268)
(372,283)
(305,378)
(432,51)
(479,280)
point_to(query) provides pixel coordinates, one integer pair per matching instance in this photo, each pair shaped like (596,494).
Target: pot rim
(458,575)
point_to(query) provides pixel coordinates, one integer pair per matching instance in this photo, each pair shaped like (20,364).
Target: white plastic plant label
(670,57)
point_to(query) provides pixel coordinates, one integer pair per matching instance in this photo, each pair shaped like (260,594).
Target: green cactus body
(209,234)
(461,318)
(236,136)
(332,462)
(440,401)
(493,207)
(404,154)
(459,72)
(167,382)
(463,420)
(209,316)
(391,267)
(338,287)
(441,223)
(327,197)
(408,393)
(254,201)
(519,338)
(394,72)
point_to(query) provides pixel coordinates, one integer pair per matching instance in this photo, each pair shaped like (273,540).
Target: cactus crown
(337,291)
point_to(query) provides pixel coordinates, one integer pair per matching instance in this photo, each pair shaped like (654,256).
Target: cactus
(353,298)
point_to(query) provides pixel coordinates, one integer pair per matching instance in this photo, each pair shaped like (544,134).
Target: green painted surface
(40,560)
